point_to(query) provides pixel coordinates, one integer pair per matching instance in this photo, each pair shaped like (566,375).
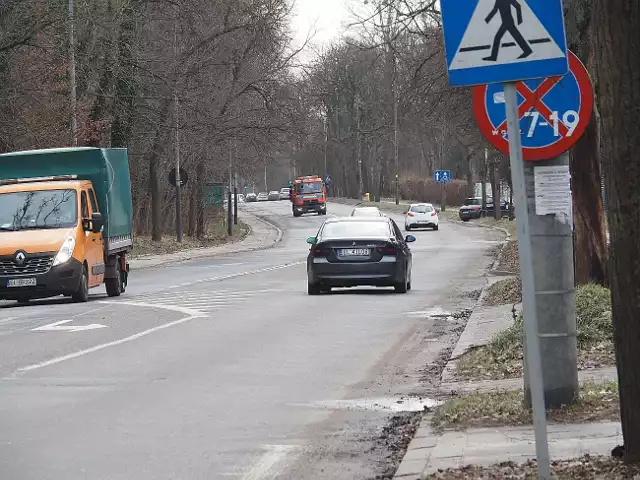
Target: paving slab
(487,446)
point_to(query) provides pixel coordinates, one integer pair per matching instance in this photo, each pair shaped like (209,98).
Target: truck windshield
(309,187)
(38,210)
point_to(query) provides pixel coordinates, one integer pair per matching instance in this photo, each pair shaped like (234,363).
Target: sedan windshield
(421,209)
(473,201)
(38,210)
(349,230)
(365,212)
(309,187)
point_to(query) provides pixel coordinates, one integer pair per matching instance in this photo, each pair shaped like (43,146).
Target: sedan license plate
(353,252)
(21,282)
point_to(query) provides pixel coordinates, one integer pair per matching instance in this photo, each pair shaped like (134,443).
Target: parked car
(251,197)
(421,215)
(273,195)
(366,212)
(263,197)
(285,194)
(472,208)
(352,251)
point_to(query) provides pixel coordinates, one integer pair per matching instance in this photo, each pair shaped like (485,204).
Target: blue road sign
(499,41)
(442,176)
(328,180)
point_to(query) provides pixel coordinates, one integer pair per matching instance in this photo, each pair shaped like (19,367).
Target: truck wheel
(82,294)
(115,286)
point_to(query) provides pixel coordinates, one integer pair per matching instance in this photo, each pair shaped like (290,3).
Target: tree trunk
(154,182)
(617,44)
(191,222)
(589,239)
(200,177)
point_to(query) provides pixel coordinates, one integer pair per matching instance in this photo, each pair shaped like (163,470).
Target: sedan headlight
(66,251)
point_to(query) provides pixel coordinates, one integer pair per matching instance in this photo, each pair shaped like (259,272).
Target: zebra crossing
(203,301)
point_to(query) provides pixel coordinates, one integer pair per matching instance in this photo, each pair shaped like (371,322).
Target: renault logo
(20,258)
(353,243)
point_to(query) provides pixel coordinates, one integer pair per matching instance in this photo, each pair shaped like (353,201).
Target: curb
(279,237)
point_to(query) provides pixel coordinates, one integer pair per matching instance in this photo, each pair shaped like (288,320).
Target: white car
(366,212)
(421,215)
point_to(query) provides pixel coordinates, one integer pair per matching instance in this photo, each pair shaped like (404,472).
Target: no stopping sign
(554,112)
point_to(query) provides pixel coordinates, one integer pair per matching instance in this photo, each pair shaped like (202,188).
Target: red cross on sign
(554,112)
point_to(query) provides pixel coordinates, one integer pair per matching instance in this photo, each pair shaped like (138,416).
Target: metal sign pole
(534,362)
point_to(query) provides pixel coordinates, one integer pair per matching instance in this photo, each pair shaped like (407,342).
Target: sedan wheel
(402,287)
(313,289)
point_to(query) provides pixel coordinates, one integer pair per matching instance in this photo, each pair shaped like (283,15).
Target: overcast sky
(324,17)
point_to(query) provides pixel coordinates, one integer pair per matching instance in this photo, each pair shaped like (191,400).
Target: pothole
(431,313)
(380,404)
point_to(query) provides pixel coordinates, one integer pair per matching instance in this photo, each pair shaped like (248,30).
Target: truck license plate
(22,282)
(353,252)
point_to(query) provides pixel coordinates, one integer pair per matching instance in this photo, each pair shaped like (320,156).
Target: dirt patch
(453,327)
(597,402)
(395,438)
(509,259)
(587,467)
(504,292)
(216,235)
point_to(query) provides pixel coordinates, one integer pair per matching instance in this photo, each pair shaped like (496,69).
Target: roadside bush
(421,190)
(593,315)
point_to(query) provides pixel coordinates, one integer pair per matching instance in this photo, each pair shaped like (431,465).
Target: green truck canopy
(106,168)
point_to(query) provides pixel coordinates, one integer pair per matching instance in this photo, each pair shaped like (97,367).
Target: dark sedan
(353,251)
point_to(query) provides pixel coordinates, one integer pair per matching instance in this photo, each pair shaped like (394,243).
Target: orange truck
(65,223)
(308,194)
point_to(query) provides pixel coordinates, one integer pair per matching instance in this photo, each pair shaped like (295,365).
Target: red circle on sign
(579,72)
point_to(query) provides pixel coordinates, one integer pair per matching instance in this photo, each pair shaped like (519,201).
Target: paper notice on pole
(553,191)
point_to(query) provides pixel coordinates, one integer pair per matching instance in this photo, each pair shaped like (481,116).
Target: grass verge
(504,292)
(585,467)
(502,357)
(216,235)
(598,402)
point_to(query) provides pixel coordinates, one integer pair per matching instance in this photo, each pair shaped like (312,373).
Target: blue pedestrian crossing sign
(499,41)
(442,176)
(328,181)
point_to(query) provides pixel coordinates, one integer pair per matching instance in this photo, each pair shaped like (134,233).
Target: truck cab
(53,230)
(308,194)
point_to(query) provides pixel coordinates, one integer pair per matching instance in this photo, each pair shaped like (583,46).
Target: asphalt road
(224,367)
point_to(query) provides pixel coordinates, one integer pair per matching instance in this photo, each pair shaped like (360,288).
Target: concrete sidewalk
(262,235)
(487,446)
(428,451)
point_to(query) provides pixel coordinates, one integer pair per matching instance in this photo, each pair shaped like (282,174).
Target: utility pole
(360,172)
(552,247)
(395,129)
(483,178)
(72,73)
(326,140)
(235,199)
(230,199)
(176,105)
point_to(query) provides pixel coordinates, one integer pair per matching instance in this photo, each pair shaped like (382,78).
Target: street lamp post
(72,73)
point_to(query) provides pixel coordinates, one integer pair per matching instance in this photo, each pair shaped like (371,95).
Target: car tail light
(410,214)
(319,251)
(387,250)
(434,213)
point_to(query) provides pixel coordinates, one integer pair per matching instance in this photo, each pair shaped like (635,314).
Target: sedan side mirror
(97,222)
(410,238)
(311,240)
(437,210)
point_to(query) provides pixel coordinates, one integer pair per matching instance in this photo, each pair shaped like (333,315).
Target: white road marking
(8,319)
(61,327)
(175,308)
(270,464)
(103,346)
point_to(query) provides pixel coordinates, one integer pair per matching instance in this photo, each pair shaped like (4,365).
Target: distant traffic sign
(328,181)
(442,176)
(184,177)
(554,112)
(498,41)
